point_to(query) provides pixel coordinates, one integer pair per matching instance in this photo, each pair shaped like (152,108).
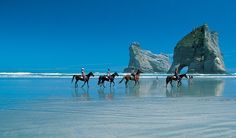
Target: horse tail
(99,80)
(122,80)
(73,78)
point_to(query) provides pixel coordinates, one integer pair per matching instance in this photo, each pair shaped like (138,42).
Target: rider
(83,73)
(176,73)
(108,74)
(133,72)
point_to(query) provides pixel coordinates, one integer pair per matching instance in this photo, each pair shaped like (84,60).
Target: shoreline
(97,74)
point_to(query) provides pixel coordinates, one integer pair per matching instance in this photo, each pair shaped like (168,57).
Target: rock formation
(200,52)
(146,60)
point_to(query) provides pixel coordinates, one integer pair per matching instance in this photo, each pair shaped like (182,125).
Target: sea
(49,105)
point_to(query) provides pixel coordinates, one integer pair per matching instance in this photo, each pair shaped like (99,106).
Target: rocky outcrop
(146,60)
(200,52)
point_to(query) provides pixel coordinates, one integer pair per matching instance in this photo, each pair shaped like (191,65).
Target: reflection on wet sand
(107,94)
(81,94)
(147,87)
(195,87)
(155,88)
(198,87)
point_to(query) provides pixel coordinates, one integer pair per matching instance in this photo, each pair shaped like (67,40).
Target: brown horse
(170,78)
(102,79)
(80,77)
(134,78)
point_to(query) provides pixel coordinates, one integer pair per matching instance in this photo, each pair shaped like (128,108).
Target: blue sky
(65,35)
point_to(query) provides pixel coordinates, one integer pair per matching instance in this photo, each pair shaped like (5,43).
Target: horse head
(185,75)
(90,74)
(139,71)
(116,74)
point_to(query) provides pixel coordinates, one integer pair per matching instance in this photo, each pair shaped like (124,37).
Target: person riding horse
(133,77)
(176,73)
(82,77)
(108,74)
(83,74)
(103,78)
(175,77)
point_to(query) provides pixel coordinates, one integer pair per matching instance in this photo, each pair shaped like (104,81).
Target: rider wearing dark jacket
(133,72)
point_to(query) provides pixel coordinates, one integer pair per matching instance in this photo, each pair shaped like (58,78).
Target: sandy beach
(52,107)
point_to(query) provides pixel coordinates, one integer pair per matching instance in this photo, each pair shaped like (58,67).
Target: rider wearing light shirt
(109,74)
(83,73)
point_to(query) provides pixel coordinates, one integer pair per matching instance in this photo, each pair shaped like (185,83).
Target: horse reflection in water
(106,95)
(193,88)
(81,94)
(147,87)
(197,88)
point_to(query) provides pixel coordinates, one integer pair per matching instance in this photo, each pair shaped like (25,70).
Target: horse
(80,77)
(170,78)
(134,78)
(102,79)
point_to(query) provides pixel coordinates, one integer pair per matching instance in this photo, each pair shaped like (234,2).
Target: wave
(69,75)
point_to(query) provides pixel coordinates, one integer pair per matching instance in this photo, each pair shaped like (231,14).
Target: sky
(66,35)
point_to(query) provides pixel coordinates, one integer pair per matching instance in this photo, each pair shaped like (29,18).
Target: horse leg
(76,83)
(135,82)
(179,83)
(103,83)
(113,83)
(171,83)
(83,84)
(87,84)
(126,83)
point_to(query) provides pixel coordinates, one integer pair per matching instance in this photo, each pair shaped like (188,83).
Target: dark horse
(104,78)
(135,78)
(80,77)
(170,78)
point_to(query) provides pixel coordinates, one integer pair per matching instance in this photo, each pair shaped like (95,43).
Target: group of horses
(127,78)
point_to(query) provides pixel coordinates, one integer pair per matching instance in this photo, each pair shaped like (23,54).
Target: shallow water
(53,108)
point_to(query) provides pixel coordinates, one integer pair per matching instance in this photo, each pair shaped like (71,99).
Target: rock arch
(199,51)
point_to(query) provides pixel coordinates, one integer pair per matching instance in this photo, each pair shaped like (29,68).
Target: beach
(52,107)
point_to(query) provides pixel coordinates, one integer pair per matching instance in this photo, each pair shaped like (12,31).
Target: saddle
(174,77)
(107,77)
(132,77)
(84,77)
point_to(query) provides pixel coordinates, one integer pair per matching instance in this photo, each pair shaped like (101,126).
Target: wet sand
(53,108)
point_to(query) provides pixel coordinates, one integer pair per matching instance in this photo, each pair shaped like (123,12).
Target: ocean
(48,105)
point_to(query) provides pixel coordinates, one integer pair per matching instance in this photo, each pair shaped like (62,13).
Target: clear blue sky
(65,35)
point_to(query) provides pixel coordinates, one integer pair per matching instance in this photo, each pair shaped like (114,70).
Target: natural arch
(199,51)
